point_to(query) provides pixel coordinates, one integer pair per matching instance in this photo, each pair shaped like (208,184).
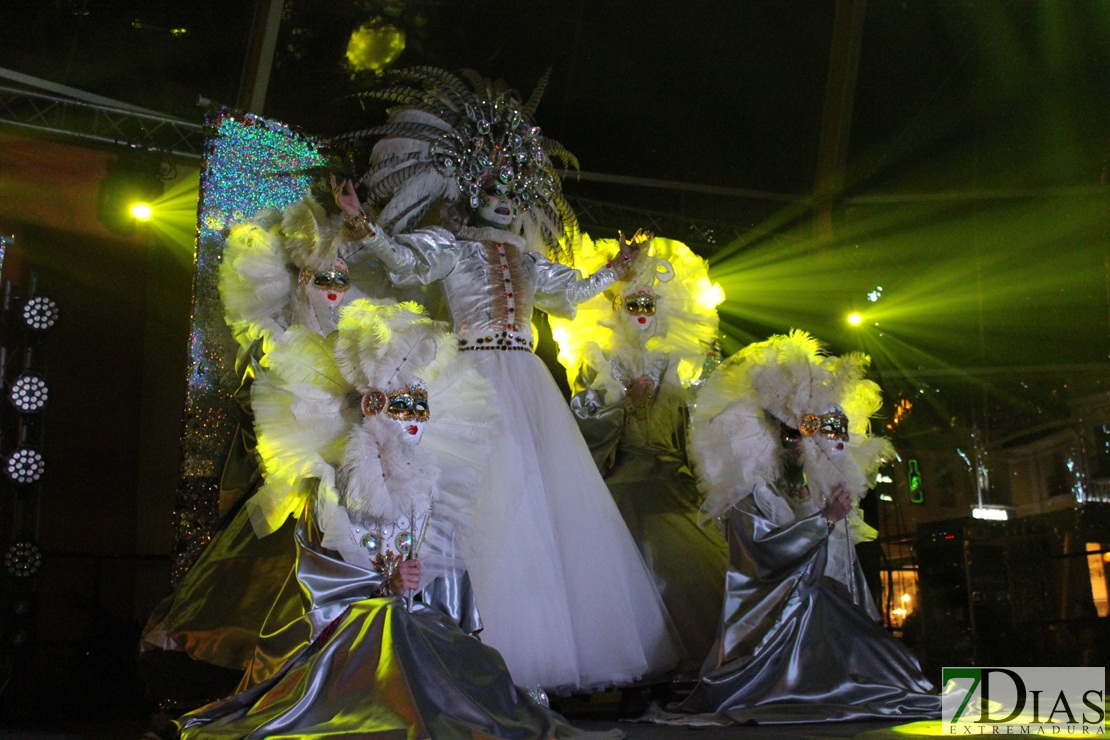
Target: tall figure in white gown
(562,589)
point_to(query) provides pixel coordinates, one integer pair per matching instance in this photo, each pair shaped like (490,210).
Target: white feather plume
(301,417)
(381,345)
(736,435)
(261,265)
(383,478)
(255,283)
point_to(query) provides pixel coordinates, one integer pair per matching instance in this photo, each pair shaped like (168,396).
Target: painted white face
(327,289)
(408,407)
(498,206)
(639,309)
(643,323)
(411,431)
(832,446)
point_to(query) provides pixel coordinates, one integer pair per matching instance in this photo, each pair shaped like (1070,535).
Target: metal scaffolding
(61,111)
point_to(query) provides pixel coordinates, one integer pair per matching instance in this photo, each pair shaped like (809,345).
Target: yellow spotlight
(142,211)
(710,294)
(374,45)
(855,319)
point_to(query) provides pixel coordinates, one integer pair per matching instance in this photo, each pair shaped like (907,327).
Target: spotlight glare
(374,46)
(142,211)
(135,177)
(29,393)
(709,294)
(25,465)
(855,319)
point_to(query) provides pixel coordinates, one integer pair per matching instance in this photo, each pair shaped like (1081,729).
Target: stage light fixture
(855,319)
(29,393)
(142,211)
(25,466)
(22,559)
(136,177)
(40,313)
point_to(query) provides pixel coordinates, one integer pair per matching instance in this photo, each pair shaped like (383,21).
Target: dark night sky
(702,91)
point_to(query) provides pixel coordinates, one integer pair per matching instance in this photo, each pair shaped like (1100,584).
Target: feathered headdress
(685,324)
(450,135)
(262,264)
(783,384)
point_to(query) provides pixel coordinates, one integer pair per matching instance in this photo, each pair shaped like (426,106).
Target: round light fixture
(25,465)
(40,313)
(22,559)
(29,393)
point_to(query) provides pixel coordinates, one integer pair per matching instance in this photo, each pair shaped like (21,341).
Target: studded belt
(500,341)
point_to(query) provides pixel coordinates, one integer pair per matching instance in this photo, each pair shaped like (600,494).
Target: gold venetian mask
(832,426)
(640,303)
(405,404)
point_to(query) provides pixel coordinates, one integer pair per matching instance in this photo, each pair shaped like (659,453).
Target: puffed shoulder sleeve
(560,288)
(415,258)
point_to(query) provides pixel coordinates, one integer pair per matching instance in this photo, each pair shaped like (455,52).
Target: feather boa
(382,477)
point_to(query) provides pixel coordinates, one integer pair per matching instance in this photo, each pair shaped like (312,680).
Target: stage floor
(596,713)
(106,730)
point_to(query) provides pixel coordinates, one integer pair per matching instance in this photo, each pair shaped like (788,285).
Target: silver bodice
(490,282)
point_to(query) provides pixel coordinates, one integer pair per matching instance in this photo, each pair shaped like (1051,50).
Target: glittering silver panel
(250,164)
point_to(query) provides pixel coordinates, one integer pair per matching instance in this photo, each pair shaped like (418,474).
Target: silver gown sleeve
(560,288)
(600,420)
(417,258)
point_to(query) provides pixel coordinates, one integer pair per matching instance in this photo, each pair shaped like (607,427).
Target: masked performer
(563,591)
(632,355)
(780,441)
(280,270)
(383,644)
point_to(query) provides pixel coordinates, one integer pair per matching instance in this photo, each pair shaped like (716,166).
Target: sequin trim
(503,348)
(504,340)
